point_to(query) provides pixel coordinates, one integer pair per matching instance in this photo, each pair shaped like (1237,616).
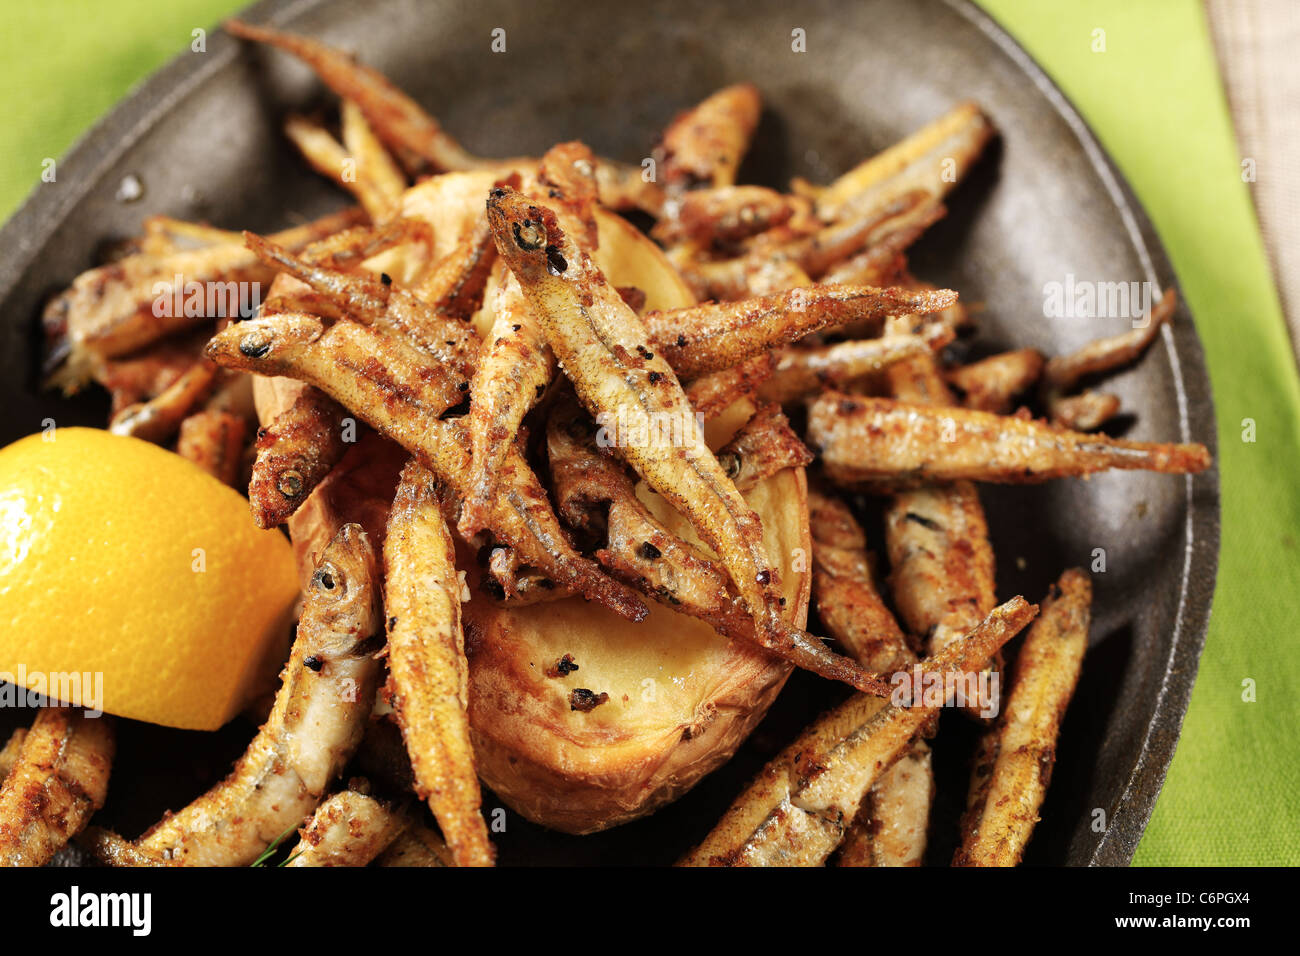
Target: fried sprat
(350,828)
(1014,767)
(294,454)
(327,689)
(428,674)
(389,383)
(714,336)
(796,810)
(881,444)
(57,779)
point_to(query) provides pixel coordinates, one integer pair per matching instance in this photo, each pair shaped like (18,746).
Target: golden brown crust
(109,312)
(328,687)
(1063,372)
(416,846)
(382,303)
(134,378)
(706,143)
(795,811)
(214,440)
(938,542)
(890,826)
(1014,766)
(815,253)
(604,348)
(934,159)
(1090,410)
(454,286)
(723,214)
(710,394)
(389,383)
(1084,412)
(348,829)
(804,371)
(715,336)
(881,444)
(159,418)
(9,752)
(848,603)
(373,166)
(516,362)
(992,384)
(639,549)
(58,779)
(428,673)
(764,445)
(294,454)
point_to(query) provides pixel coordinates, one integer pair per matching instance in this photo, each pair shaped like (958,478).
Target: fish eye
(290,483)
(530,234)
(255,344)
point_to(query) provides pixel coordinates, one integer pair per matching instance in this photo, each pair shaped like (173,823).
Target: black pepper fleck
(585,700)
(555,262)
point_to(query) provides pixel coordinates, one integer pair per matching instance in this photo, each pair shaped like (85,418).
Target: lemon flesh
(131,576)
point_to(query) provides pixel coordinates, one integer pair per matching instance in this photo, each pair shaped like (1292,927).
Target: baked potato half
(680,698)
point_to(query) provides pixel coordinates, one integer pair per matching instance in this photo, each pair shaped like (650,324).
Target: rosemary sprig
(270,851)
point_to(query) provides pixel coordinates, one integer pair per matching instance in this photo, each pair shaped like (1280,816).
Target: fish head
(344,589)
(263,345)
(529,237)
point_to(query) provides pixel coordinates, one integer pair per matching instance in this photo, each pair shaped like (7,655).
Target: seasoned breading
(56,781)
(348,829)
(795,811)
(428,673)
(881,444)
(1014,765)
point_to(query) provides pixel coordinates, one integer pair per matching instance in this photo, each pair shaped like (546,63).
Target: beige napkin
(1258,45)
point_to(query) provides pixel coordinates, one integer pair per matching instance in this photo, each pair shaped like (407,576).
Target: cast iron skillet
(203,137)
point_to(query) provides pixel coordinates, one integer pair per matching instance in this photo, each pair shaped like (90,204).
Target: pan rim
(30,228)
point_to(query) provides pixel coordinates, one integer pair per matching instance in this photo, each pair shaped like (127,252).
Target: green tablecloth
(1155,100)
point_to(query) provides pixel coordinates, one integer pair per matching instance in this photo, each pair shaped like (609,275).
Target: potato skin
(583,772)
(638,777)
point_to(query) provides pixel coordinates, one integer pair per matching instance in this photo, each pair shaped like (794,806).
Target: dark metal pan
(203,137)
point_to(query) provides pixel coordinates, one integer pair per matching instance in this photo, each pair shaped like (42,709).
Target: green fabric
(1155,100)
